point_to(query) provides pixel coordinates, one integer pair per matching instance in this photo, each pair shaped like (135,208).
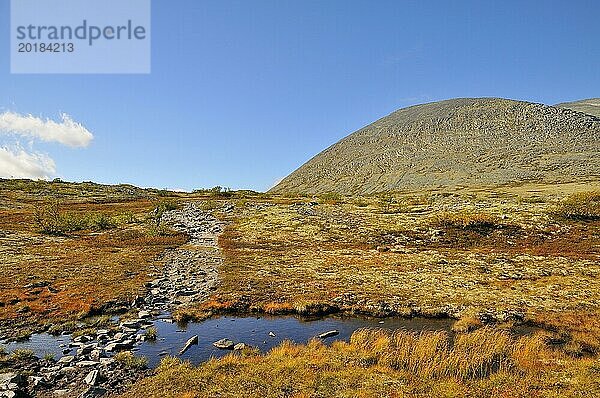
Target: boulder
(8,378)
(191,341)
(66,359)
(330,333)
(92,378)
(224,344)
(240,346)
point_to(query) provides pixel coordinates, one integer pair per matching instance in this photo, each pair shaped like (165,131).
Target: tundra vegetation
(499,260)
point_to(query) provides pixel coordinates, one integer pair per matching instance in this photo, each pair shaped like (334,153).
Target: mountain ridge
(456,142)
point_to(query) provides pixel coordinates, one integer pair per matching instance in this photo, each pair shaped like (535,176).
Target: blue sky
(243,92)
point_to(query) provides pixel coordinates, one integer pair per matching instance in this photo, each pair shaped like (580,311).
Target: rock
(271,334)
(92,378)
(95,355)
(144,315)
(36,285)
(119,346)
(330,333)
(68,369)
(106,361)
(85,364)
(130,324)
(240,346)
(35,381)
(7,378)
(137,301)
(191,341)
(82,339)
(224,344)
(66,359)
(93,392)
(86,349)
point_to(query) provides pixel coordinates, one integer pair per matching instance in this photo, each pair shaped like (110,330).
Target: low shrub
(50,220)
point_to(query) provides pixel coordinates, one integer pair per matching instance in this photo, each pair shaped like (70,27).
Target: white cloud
(17,163)
(66,132)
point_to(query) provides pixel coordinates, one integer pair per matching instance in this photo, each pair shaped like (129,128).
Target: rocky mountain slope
(467,141)
(590,106)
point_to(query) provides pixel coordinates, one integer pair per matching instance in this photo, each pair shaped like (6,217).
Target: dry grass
(131,361)
(51,279)
(580,206)
(293,255)
(374,363)
(470,255)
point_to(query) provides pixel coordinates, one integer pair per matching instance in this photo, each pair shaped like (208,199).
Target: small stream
(254,331)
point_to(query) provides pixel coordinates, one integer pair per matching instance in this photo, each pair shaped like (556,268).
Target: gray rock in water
(191,341)
(331,333)
(240,346)
(271,334)
(130,324)
(224,344)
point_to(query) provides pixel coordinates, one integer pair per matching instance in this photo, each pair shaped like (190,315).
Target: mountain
(590,106)
(457,142)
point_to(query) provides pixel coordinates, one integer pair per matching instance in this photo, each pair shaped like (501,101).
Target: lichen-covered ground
(526,255)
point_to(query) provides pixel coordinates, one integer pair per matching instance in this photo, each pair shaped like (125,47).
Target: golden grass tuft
(377,363)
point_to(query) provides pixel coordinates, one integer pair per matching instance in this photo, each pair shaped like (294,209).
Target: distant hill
(590,106)
(467,141)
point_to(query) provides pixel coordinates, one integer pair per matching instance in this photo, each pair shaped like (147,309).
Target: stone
(82,339)
(85,364)
(130,324)
(191,341)
(95,355)
(119,346)
(7,378)
(224,344)
(93,392)
(144,315)
(92,378)
(330,333)
(66,359)
(106,361)
(68,369)
(240,346)
(85,350)
(271,334)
